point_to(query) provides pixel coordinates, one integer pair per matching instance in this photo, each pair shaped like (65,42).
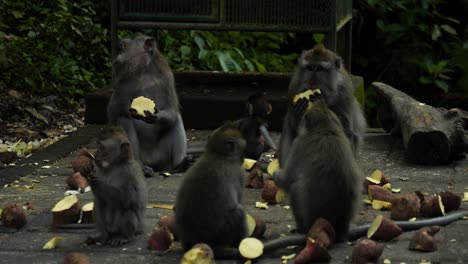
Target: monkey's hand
(300,107)
(88,171)
(148,117)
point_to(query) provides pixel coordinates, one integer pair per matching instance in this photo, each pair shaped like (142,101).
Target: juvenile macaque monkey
(254,126)
(209,201)
(321,175)
(119,189)
(157,139)
(320,68)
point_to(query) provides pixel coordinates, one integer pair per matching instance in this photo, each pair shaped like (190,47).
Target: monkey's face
(107,153)
(134,54)
(321,69)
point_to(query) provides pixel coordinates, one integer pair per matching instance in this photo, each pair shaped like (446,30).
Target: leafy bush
(54,46)
(227,51)
(417,37)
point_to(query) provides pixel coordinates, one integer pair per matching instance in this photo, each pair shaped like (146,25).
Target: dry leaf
(52,243)
(284,259)
(403,178)
(396,190)
(287,207)
(465,197)
(160,206)
(29,186)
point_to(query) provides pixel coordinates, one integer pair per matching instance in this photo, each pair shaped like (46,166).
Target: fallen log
(431,136)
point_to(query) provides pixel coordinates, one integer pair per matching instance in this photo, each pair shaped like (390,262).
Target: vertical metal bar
(348,43)
(330,38)
(114,31)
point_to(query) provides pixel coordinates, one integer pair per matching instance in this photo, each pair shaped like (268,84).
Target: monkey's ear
(302,60)
(270,109)
(150,45)
(249,108)
(124,151)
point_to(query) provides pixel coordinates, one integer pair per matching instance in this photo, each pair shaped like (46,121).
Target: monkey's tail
(360,231)
(223,252)
(282,242)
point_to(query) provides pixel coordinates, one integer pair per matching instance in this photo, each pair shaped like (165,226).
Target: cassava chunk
(256,227)
(81,162)
(87,213)
(273,166)
(272,193)
(248,164)
(376,178)
(312,252)
(423,239)
(76,258)
(405,206)
(450,200)
(14,216)
(306,95)
(77,182)
(86,153)
(161,239)
(169,222)
(366,251)
(199,254)
(432,206)
(322,232)
(382,228)
(251,248)
(142,104)
(377,192)
(380,205)
(255,178)
(66,211)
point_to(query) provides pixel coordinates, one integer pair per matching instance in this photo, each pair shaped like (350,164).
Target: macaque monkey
(119,189)
(321,175)
(254,126)
(157,139)
(209,201)
(320,68)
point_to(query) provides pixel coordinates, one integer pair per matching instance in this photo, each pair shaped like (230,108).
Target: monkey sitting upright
(254,127)
(119,189)
(320,68)
(321,175)
(157,139)
(209,200)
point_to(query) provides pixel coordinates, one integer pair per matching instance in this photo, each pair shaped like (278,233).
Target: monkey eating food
(119,189)
(320,68)
(158,138)
(321,175)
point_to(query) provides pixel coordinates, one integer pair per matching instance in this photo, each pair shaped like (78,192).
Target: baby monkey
(118,186)
(321,175)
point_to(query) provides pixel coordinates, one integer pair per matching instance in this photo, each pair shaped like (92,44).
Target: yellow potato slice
(142,104)
(306,95)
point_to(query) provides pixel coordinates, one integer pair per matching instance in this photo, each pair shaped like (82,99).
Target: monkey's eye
(315,68)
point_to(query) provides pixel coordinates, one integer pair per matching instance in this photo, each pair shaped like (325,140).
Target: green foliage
(54,46)
(415,41)
(226,51)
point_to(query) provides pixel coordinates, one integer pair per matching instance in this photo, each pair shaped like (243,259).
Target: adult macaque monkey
(320,68)
(209,201)
(321,175)
(254,126)
(157,139)
(119,189)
